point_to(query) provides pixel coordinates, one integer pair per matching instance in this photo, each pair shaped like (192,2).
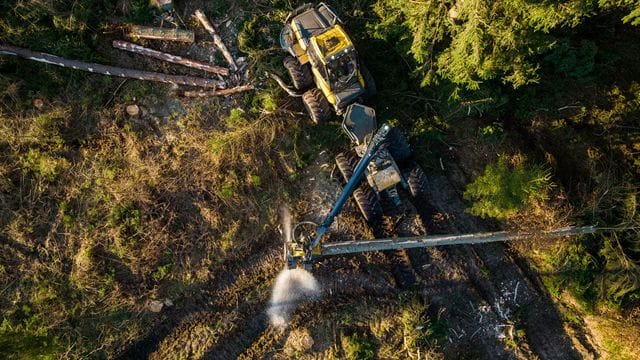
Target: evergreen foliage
(474,42)
(357,347)
(503,190)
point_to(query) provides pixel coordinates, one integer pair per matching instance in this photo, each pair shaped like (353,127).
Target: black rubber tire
(369,82)
(346,163)
(398,146)
(365,198)
(368,203)
(301,75)
(317,105)
(417,181)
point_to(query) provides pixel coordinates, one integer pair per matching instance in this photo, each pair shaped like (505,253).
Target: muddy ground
(491,302)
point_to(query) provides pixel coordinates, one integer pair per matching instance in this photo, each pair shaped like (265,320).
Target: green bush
(503,190)
(127,220)
(236,117)
(44,165)
(357,347)
(575,270)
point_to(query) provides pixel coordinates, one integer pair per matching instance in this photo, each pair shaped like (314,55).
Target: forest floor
(491,307)
(177,207)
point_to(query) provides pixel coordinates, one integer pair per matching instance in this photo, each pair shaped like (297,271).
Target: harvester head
(299,251)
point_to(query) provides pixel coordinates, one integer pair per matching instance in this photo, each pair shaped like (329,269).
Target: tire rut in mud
(516,300)
(475,327)
(472,332)
(197,309)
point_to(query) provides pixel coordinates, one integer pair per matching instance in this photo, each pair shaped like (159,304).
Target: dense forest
(532,106)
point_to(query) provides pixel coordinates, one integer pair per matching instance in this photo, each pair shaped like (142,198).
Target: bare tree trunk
(217,40)
(222,92)
(109,70)
(358,246)
(283,85)
(127,46)
(147,32)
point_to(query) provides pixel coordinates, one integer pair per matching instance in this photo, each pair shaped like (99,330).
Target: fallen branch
(222,92)
(131,47)
(217,40)
(146,32)
(109,70)
(283,85)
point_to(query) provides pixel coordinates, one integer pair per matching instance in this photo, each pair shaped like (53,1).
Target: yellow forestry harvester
(323,61)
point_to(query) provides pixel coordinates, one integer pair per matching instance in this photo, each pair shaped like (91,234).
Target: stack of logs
(214,87)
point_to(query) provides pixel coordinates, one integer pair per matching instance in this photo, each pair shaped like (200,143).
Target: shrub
(44,165)
(415,330)
(236,117)
(127,221)
(503,190)
(357,347)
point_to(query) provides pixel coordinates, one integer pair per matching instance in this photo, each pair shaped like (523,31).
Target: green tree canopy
(468,42)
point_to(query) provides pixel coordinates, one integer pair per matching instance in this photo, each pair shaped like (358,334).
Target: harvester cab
(323,61)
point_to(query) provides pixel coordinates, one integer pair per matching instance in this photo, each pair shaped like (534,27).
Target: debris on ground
(217,40)
(233,83)
(110,70)
(133,110)
(141,50)
(166,34)
(156,306)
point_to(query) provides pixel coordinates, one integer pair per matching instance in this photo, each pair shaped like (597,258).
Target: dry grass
(618,338)
(539,216)
(98,223)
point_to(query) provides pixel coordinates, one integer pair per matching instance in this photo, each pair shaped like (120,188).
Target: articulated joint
(374,145)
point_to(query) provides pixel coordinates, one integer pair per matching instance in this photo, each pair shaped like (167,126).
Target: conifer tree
(470,42)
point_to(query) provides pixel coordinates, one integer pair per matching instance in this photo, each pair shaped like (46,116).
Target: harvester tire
(317,105)
(346,164)
(368,204)
(398,146)
(300,73)
(417,181)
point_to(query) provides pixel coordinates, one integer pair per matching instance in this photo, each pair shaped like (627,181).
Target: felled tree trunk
(127,46)
(221,92)
(217,40)
(147,32)
(109,70)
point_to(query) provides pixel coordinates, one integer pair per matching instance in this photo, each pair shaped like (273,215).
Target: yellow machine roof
(332,41)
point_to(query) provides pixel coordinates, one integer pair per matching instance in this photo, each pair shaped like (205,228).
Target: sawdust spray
(292,287)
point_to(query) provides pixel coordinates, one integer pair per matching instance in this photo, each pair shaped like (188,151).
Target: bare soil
(492,307)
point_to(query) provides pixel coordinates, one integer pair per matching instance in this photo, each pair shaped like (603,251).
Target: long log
(147,32)
(134,48)
(221,92)
(358,246)
(109,70)
(217,40)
